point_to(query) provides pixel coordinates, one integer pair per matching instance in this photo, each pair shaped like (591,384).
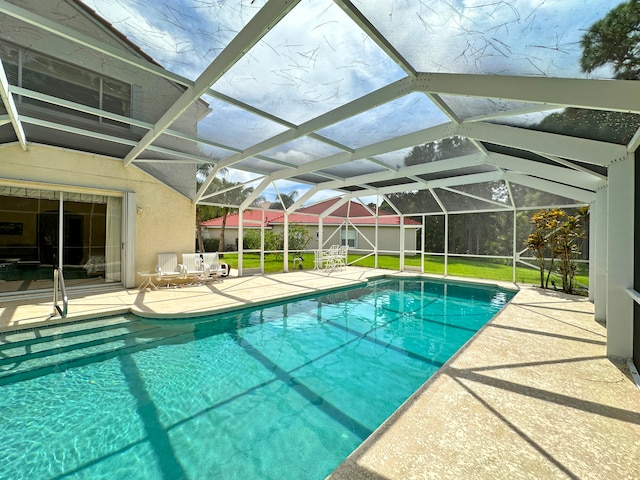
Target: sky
(317,43)
(521,37)
(317,59)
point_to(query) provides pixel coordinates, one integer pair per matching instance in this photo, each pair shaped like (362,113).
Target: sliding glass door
(42,229)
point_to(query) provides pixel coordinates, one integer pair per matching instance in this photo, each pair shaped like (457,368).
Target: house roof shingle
(357,214)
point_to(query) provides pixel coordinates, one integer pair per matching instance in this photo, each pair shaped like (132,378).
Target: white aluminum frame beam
(119,118)
(185,157)
(620,265)
(383,95)
(500,205)
(10,106)
(579,168)
(372,32)
(256,192)
(613,95)
(77,131)
(499,134)
(583,196)
(537,108)
(439,183)
(253,31)
(333,207)
(542,170)
(580,149)
(404,141)
(413,170)
(303,198)
(634,143)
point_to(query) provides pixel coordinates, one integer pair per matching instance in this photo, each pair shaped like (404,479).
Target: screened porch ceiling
(316,99)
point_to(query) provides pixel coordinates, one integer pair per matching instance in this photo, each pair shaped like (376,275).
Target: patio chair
(340,259)
(168,268)
(212,261)
(194,268)
(330,257)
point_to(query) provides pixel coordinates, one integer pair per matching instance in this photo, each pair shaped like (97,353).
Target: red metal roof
(358,214)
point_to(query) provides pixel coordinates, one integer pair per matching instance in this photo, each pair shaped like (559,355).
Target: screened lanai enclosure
(458,119)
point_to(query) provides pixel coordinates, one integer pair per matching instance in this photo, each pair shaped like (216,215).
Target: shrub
(211,244)
(557,235)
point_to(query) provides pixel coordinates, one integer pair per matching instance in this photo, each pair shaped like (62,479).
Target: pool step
(37,352)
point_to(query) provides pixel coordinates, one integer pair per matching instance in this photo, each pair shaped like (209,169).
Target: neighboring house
(110,211)
(350,223)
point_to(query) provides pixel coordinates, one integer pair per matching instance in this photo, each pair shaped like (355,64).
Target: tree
(203,212)
(613,40)
(552,222)
(299,238)
(556,236)
(537,243)
(567,247)
(487,233)
(613,127)
(233,193)
(455,146)
(286,200)
(272,241)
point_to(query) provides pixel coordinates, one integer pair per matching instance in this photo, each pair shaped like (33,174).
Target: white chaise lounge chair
(213,261)
(168,268)
(194,268)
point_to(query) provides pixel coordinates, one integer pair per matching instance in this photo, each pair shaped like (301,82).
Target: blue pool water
(281,392)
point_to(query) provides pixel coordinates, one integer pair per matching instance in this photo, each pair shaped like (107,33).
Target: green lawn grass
(488,269)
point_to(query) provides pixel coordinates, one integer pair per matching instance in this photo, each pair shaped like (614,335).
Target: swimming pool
(283,391)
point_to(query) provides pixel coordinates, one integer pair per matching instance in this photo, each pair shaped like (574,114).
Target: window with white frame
(50,76)
(348,236)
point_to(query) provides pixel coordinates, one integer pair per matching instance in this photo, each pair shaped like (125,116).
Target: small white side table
(148,280)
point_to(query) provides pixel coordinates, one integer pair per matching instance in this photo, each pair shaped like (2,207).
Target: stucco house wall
(388,236)
(165,220)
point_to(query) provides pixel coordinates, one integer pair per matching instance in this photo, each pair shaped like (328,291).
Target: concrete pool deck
(533,395)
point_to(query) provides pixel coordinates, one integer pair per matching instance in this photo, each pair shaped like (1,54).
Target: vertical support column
(446,243)
(240,240)
(346,232)
(423,239)
(402,235)
(620,258)
(262,242)
(515,246)
(592,251)
(376,247)
(128,240)
(286,242)
(599,229)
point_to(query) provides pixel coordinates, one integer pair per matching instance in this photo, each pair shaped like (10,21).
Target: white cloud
(295,157)
(316,59)
(526,37)
(183,36)
(312,61)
